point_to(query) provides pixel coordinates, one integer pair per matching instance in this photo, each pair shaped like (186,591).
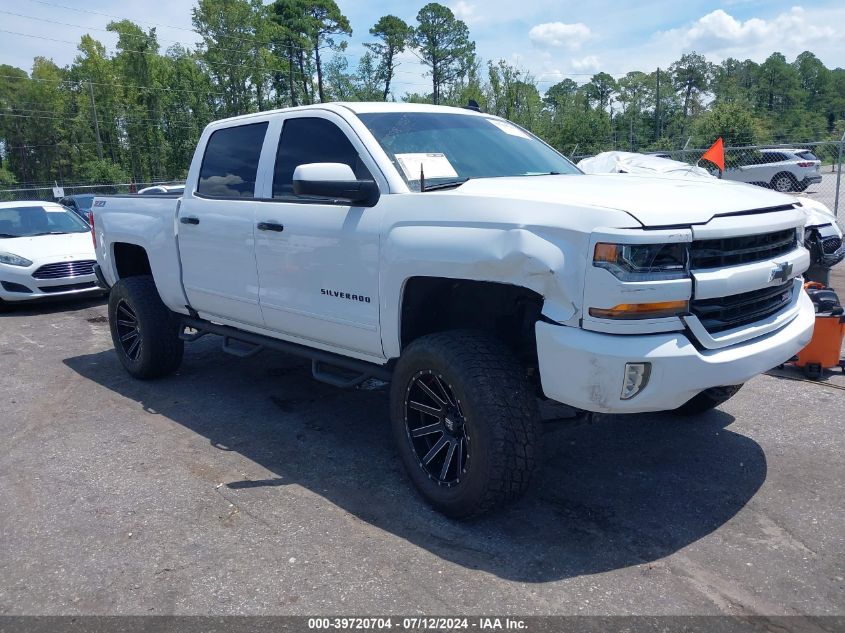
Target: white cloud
(586,64)
(465,11)
(558,34)
(719,31)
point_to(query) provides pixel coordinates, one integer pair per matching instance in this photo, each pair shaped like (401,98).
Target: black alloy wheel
(465,421)
(144,331)
(128,331)
(436,428)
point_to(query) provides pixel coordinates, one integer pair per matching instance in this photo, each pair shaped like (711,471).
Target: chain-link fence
(813,169)
(47,192)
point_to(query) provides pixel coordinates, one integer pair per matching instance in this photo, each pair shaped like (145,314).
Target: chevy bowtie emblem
(781,271)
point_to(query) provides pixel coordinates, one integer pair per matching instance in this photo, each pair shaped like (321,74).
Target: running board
(324,365)
(337,376)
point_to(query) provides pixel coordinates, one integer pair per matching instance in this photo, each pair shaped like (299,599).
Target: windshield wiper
(50,233)
(8,235)
(449,184)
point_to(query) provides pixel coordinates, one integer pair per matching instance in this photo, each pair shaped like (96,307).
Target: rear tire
(708,399)
(144,331)
(784,182)
(466,393)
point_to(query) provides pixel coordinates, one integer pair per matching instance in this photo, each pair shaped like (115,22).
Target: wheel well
(436,304)
(130,260)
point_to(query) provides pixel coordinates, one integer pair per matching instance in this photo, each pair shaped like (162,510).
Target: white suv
(782,169)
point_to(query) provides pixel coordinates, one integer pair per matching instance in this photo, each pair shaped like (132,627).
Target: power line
(156,54)
(130,120)
(186,44)
(254,40)
(115,84)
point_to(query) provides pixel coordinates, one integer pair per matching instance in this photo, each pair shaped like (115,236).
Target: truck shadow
(620,491)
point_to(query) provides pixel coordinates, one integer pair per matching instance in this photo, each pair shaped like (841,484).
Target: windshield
(447,147)
(30,221)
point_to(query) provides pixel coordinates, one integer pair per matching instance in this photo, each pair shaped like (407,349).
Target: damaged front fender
(549,262)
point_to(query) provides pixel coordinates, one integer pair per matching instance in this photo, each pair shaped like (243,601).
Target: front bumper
(585,369)
(18,284)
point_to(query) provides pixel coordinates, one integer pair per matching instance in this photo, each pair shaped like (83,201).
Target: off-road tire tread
(161,334)
(508,403)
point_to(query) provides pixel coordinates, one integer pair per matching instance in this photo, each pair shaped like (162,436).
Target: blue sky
(551,39)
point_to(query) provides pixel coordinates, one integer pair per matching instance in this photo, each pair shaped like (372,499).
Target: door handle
(189,219)
(270,226)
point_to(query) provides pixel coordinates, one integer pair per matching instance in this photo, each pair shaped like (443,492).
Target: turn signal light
(657,310)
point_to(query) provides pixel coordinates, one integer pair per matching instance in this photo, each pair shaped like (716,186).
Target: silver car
(781,169)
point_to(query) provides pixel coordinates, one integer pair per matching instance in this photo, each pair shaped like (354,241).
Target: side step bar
(354,371)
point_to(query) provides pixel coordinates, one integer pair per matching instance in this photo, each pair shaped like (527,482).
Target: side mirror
(334,180)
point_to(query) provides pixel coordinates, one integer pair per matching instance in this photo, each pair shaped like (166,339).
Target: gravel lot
(241,486)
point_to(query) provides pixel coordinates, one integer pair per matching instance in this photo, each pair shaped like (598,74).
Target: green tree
(293,39)
(444,45)
(227,28)
(324,21)
(691,78)
(512,94)
(600,90)
(732,121)
(394,35)
(635,93)
(560,94)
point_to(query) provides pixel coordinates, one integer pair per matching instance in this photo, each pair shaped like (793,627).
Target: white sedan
(45,251)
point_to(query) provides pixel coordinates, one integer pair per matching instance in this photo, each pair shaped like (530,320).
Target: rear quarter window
(230,163)
(807,155)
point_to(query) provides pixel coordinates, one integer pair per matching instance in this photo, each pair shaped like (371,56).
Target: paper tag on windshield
(433,166)
(509,128)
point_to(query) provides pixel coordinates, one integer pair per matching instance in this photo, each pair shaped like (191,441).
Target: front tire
(708,399)
(144,331)
(465,422)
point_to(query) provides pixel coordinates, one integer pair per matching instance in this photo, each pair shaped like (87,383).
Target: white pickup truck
(467,262)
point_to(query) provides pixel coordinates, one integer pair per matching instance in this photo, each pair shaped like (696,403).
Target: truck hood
(652,200)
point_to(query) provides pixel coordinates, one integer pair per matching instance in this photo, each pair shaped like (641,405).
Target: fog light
(636,378)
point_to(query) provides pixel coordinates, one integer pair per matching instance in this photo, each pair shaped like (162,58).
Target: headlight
(14,260)
(642,262)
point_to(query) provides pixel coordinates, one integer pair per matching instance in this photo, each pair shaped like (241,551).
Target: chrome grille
(746,249)
(725,313)
(61,270)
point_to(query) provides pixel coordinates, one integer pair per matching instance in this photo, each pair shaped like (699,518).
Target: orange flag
(716,154)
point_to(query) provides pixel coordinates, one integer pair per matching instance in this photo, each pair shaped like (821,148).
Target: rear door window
(230,163)
(312,140)
(773,157)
